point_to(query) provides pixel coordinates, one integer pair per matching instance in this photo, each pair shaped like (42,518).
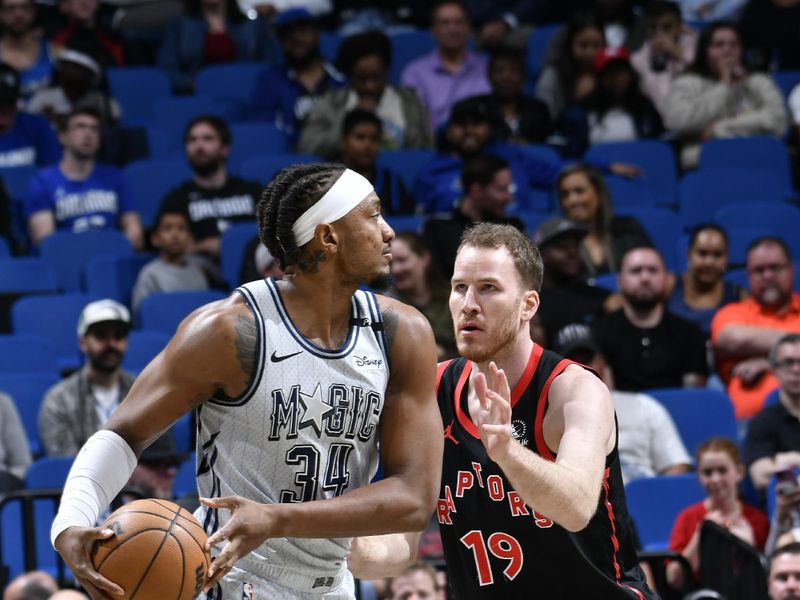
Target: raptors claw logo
(518,431)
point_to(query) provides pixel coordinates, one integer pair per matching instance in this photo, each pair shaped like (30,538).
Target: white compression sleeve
(101,469)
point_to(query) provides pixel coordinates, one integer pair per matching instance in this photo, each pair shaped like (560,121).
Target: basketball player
(294,382)
(531,499)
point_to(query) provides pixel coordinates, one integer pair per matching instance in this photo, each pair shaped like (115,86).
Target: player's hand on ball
(494,412)
(75,545)
(248,528)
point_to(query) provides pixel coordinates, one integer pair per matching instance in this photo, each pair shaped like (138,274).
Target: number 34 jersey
(306,429)
(497,546)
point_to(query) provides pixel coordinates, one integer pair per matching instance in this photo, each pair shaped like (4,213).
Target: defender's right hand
(75,545)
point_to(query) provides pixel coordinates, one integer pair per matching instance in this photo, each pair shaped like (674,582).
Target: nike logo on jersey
(276,359)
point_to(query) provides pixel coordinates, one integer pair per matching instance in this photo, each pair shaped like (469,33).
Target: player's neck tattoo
(311,264)
(246,341)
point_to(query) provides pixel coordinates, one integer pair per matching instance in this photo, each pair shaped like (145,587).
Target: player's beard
(503,336)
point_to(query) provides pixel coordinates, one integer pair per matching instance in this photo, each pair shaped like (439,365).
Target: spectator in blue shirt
(79,194)
(285,94)
(25,139)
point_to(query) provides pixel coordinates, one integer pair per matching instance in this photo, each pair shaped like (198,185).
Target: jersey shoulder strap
(440,369)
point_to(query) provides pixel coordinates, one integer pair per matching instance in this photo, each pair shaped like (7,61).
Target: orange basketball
(156,553)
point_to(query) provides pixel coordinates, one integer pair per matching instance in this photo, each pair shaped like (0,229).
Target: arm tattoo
(311,265)
(390,319)
(246,342)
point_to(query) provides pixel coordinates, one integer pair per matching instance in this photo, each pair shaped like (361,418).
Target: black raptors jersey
(495,545)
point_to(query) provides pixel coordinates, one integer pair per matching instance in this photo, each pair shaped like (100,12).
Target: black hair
(359,116)
(290,193)
(634,102)
(566,66)
(700,65)
(770,239)
(640,246)
(481,169)
(790,548)
(171,210)
(90,111)
(506,52)
(658,8)
(440,3)
(698,229)
(194,8)
(218,124)
(361,45)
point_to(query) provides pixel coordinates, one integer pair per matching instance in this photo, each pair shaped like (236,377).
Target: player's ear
(327,236)
(530,304)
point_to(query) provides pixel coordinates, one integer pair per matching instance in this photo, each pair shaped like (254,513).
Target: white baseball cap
(101,311)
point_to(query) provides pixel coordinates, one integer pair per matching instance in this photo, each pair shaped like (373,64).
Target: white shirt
(106,401)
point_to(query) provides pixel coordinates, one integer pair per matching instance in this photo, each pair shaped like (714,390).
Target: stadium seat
(136,89)
(264,168)
(764,153)
(772,398)
(703,192)
(27,391)
(228,79)
(53,317)
(655,158)
(5,249)
(778,218)
(233,244)
(174,113)
(27,275)
(698,413)
(405,223)
(159,144)
(329,43)
(628,194)
(654,503)
(69,252)
(48,472)
(182,432)
(186,478)
(662,226)
(538,43)
(255,139)
(143,346)
(114,276)
(150,180)
(27,353)
(407,46)
(786,80)
(163,311)
(606,281)
(405,163)
(16,180)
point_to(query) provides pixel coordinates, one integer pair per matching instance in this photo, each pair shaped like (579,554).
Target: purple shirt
(439,89)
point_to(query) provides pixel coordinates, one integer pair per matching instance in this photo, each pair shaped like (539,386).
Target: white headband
(347,193)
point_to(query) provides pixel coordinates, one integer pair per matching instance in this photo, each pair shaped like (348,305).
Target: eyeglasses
(761,271)
(787,363)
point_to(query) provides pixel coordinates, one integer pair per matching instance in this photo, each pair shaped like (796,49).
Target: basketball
(156,552)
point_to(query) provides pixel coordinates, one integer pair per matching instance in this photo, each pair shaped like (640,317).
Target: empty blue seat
(607,281)
(48,472)
(698,413)
(160,145)
(405,163)
(264,168)
(149,181)
(185,481)
(538,43)
(174,113)
(228,79)
(164,311)
(662,225)
(114,276)
(27,353)
(18,537)
(786,80)
(739,240)
(627,194)
(16,180)
(763,153)
(27,275)
(53,317)
(255,139)
(405,223)
(655,158)
(233,244)
(407,46)
(778,218)
(136,89)
(5,249)
(27,391)
(69,252)
(143,346)
(655,502)
(329,43)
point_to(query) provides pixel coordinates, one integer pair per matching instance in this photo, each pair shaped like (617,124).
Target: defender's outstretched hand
(494,412)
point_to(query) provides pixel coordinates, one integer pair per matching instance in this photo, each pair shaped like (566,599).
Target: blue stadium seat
(160,145)
(739,239)
(786,80)
(69,252)
(182,433)
(114,276)
(16,180)
(27,391)
(149,181)
(405,163)
(699,414)
(53,317)
(655,158)
(264,168)
(541,152)
(779,218)
(627,194)
(27,353)
(532,219)
(255,139)
(662,225)
(163,311)
(186,478)
(407,46)
(48,472)
(764,153)
(538,43)
(136,89)
(5,249)
(26,275)
(329,43)
(143,346)
(772,398)
(606,281)
(405,223)
(654,504)
(233,244)
(174,113)
(228,79)
(703,192)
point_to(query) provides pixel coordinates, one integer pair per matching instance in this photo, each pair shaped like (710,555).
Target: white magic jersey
(306,429)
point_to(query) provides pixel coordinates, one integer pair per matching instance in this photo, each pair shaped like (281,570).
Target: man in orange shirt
(743,332)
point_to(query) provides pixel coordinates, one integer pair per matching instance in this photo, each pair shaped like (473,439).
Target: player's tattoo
(246,343)
(311,264)
(389,325)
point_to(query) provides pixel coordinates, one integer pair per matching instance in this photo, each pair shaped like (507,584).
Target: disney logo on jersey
(519,429)
(343,411)
(365,361)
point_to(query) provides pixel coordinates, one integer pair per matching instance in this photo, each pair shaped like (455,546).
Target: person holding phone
(785,526)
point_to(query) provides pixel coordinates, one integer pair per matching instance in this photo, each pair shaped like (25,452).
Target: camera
(658,62)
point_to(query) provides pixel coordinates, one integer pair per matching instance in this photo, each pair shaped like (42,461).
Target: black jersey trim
(318,351)
(255,379)
(377,326)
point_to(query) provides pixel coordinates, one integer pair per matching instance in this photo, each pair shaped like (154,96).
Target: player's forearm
(562,493)
(379,556)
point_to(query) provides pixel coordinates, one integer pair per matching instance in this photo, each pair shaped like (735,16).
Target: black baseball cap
(574,337)
(163,450)
(471,109)
(9,83)
(556,228)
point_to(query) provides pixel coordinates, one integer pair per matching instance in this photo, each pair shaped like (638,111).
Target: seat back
(149,180)
(764,153)
(164,311)
(136,89)
(255,139)
(406,164)
(143,346)
(48,472)
(114,276)
(264,168)
(27,391)
(27,353)
(234,242)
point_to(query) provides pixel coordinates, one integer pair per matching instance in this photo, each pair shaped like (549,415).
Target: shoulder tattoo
(246,341)
(390,319)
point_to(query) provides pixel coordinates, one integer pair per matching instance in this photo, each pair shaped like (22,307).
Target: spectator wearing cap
(211,32)
(487,184)
(78,406)
(24,47)
(615,111)
(258,263)
(77,84)
(26,140)
(365,59)
(154,474)
(85,32)
(565,295)
(451,72)
(270,8)
(646,345)
(285,94)
(79,194)
(649,443)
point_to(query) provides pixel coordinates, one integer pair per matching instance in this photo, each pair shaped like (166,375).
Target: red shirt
(689,518)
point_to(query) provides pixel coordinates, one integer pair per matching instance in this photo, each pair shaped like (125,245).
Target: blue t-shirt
(30,142)
(97,202)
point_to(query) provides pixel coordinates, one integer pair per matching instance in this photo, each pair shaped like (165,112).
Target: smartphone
(787,481)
